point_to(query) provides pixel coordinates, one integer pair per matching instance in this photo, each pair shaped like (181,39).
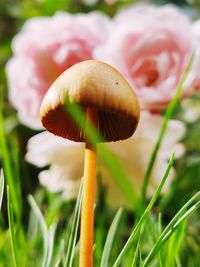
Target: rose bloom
(45,47)
(151,46)
(66,159)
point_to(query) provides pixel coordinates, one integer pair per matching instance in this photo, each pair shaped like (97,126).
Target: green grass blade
(15,159)
(177,224)
(171,227)
(174,246)
(61,253)
(110,239)
(8,170)
(185,216)
(161,263)
(178,262)
(43,227)
(1,187)
(74,230)
(11,229)
(51,236)
(145,214)
(179,214)
(58,262)
(167,117)
(189,167)
(137,253)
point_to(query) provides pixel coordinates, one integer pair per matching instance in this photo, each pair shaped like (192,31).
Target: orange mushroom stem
(87,214)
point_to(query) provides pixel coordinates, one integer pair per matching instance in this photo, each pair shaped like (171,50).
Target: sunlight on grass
(1,187)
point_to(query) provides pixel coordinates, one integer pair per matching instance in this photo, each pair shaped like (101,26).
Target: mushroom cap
(94,84)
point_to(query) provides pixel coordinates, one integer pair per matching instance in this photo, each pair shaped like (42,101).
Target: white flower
(66,159)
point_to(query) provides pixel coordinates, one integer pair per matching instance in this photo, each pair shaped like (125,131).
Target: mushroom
(109,105)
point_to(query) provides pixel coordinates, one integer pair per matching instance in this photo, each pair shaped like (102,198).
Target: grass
(167,242)
(12,230)
(74,231)
(144,216)
(110,239)
(8,161)
(1,187)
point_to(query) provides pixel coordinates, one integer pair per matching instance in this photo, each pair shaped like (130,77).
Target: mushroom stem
(87,212)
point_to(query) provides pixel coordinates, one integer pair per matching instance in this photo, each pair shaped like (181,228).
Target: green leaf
(74,230)
(144,216)
(1,186)
(11,229)
(110,239)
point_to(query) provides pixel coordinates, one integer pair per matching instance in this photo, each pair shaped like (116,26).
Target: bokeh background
(29,162)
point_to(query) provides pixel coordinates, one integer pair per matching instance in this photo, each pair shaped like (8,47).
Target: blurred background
(29,163)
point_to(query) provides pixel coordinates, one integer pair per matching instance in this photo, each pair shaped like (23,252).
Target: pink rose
(151,45)
(196,41)
(43,49)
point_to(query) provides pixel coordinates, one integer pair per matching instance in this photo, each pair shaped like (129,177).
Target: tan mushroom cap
(94,84)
